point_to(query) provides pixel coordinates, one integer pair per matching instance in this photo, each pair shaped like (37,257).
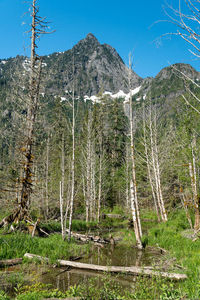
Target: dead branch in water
(113,269)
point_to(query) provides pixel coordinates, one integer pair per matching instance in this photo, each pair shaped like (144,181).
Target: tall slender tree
(133,183)
(73,160)
(38,27)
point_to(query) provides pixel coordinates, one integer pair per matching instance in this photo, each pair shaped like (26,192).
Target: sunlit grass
(17,244)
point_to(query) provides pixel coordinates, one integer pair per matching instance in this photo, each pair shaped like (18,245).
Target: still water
(63,278)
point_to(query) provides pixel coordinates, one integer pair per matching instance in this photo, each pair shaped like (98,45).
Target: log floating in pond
(115,269)
(10,262)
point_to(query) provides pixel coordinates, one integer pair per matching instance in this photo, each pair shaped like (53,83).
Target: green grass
(17,244)
(167,235)
(105,289)
(77,225)
(170,236)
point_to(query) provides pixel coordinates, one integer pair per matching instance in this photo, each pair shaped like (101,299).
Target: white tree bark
(100,188)
(135,211)
(127,177)
(155,166)
(61,211)
(73,166)
(47,177)
(150,175)
(158,169)
(194,179)
(88,166)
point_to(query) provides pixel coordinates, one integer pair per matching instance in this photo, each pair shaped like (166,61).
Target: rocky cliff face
(91,67)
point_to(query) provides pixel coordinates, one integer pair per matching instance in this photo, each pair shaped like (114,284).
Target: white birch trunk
(149,168)
(88,163)
(127,178)
(72,168)
(194,179)
(134,216)
(47,178)
(138,230)
(61,211)
(93,185)
(158,170)
(152,142)
(100,188)
(68,198)
(63,225)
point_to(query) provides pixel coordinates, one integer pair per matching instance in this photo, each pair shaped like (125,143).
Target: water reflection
(115,255)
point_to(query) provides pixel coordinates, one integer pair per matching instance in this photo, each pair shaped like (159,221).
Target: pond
(63,278)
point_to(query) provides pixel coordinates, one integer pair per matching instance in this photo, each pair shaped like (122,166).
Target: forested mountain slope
(101,128)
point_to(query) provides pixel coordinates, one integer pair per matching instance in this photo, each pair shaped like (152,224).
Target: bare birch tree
(150,132)
(72,163)
(100,177)
(133,184)
(88,165)
(149,166)
(47,177)
(193,178)
(186,18)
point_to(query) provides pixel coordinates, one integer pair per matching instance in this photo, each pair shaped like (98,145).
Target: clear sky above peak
(127,25)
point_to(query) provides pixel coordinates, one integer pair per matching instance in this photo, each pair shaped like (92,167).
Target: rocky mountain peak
(96,67)
(89,42)
(177,69)
(91,36)
(89,66)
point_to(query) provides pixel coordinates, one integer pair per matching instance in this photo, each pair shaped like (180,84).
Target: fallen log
(10,262)
(68,298)
(115,269)
(89,238)
(114,216)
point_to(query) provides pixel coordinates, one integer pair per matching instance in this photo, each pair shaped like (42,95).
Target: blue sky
(124,24)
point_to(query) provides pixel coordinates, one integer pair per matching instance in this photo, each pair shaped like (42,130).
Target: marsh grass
(167,235)
(106,289)
(77,225)
(17,244)
(170,236)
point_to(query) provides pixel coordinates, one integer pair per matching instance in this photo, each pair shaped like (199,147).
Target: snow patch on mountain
(120,94)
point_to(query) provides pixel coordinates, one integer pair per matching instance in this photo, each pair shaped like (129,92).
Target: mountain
(90,66)
(169,83)
(99,76)
(93,68)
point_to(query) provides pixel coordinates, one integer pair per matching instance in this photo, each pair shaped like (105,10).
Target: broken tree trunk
(115,269)
(10,262)
(38,27)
